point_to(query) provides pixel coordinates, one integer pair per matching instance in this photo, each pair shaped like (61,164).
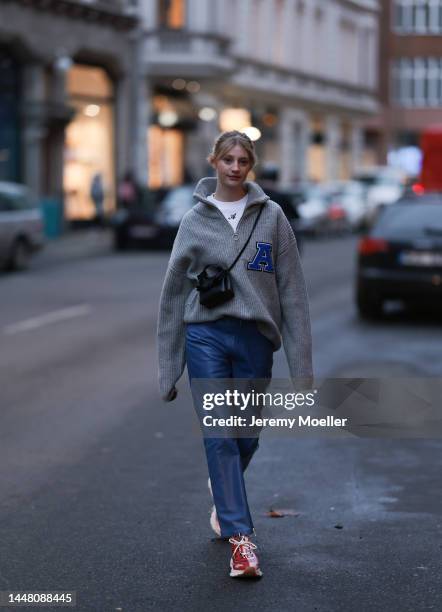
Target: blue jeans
(229,348)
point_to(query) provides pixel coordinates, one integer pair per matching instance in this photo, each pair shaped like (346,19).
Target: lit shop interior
(182,131)
(178,141)
(89,142)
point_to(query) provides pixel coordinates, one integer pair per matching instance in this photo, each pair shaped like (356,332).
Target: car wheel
(20,255)
(121,241)
(369,307)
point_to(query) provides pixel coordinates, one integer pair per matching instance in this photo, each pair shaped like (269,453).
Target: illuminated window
(89,142)
(171,14)
(166,154)
(234,119)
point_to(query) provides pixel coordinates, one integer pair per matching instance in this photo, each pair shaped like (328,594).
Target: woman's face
(233,167)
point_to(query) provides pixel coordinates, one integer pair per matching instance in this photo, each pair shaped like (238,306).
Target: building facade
(93,88)
(300,74)
(410,73)
(66,100)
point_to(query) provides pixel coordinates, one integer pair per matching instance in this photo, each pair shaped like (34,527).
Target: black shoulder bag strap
(248,239)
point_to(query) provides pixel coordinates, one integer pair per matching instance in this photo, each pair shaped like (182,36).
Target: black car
(401,256)
(288,203)
(154,221)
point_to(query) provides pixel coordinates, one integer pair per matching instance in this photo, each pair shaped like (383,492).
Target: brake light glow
(418,189)
(372,246)
(336,212)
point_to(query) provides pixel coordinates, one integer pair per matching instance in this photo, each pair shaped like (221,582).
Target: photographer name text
(301,421)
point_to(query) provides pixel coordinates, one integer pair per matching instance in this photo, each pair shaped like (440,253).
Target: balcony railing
(121,6)
(118,12)
(187,52)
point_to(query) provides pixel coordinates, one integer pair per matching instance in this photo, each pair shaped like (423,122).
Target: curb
(75,245)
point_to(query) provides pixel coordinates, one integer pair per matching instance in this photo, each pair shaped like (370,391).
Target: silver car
(21,226)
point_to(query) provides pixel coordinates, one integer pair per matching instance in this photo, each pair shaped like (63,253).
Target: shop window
(9,118)
(316,169)
(171,14)
(234,119)
(166,154)
(83,80)
(89,143)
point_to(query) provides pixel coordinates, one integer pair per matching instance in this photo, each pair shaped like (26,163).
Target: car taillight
(336,211)
(418,189)
(371,246)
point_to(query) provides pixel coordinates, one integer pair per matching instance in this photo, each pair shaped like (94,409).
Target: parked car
(287,202)
(347,203)
(401,256)
(311,202)
(385,185)
(21,226)
(155,225)
(154,221)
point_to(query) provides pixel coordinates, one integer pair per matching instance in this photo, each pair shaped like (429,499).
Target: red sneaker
(244,562)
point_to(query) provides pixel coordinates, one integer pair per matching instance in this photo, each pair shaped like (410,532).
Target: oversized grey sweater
(267,280)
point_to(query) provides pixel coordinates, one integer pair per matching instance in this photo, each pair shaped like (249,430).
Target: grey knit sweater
(267,280)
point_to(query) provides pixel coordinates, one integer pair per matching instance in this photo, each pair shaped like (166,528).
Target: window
(258,27)
(348,49)
(89,141)
(278,37)
(366,58)
(434,82)
(171,14)
(417,82)
(417,16)
(9,118)
(318,48)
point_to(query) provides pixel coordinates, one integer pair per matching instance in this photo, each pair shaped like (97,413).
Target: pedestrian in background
(234,339)
(128,192)
(97,197)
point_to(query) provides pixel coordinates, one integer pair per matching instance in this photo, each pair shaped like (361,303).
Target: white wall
(326,38)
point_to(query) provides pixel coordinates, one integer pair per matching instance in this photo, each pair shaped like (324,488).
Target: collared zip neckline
(207,186)
(235,233)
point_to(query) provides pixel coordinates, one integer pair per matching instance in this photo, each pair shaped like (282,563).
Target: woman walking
(231,330)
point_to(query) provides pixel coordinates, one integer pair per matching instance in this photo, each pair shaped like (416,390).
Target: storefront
(9,118)
(174,120)
(182,131)
(89,156)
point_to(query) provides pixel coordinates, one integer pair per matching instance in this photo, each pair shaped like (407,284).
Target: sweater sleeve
(171,327)
(171,330)
(295,330)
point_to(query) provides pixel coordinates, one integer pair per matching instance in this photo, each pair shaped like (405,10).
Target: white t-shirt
(231,210)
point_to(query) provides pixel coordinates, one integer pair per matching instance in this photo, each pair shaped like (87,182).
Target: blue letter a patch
(262,262)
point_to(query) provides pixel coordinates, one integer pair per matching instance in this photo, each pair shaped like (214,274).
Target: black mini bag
(214,282)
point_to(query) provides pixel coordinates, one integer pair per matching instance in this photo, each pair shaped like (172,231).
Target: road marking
(47,319)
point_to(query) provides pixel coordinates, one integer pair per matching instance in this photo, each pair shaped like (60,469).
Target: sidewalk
(77,244)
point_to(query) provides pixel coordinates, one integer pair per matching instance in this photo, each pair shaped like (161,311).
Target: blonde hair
(227,140)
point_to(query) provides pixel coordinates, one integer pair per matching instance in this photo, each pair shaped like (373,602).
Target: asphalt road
(103,487)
